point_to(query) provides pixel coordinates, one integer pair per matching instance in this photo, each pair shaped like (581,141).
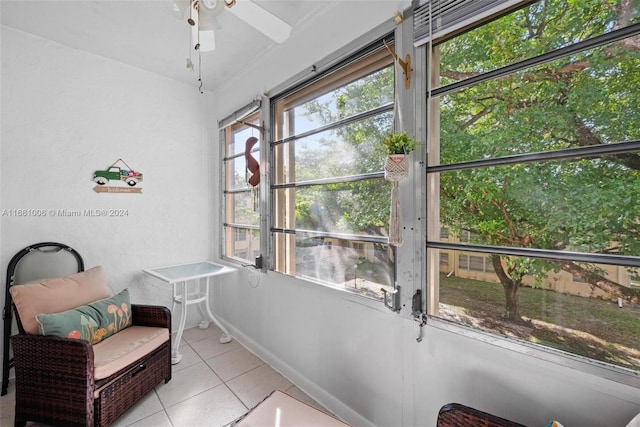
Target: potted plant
(396,147)
(398,143)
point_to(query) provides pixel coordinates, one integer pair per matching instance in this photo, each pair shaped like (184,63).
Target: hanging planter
(396,168)
(397,146)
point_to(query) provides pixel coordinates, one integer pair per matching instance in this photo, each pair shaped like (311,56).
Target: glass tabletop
(178,273)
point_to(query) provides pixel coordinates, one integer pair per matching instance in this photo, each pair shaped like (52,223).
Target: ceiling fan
(202,17)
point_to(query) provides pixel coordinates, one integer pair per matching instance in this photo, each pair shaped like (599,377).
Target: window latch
(391,298)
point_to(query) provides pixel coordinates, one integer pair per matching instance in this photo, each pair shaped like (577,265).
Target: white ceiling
(149,35)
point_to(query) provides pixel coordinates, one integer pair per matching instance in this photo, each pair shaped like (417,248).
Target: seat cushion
(122,349)
(57,295)
(92,322)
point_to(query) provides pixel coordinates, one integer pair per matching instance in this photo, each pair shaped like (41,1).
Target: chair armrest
(53,363)
(151,315)
(455,414)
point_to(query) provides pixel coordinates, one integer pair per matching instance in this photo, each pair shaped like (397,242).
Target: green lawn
(589,327)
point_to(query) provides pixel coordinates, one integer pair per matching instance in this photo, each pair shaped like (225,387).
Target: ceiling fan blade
(264,21)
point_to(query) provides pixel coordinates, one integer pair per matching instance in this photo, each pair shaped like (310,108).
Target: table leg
(176,357)
(225,338)
(204,324)
(175,299)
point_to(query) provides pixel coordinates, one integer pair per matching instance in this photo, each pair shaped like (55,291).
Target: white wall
(364,363)
(67,113)
(359,359)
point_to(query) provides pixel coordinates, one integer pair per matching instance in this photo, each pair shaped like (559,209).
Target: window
(463,262)
(444,259)
(330,203)
(577,279)
(241,234)
(358,247)
(476,263)
(534,164)
(241,212)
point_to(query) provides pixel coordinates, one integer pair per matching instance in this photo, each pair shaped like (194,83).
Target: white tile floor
(213,385)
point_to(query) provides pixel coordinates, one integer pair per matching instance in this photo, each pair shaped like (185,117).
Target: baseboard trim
(320,395)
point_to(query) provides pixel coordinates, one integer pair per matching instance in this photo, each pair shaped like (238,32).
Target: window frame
(237,121)
(390,30)
(407,259)
(368,60)
(433,243)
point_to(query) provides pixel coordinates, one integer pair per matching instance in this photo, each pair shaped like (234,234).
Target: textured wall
(66,113)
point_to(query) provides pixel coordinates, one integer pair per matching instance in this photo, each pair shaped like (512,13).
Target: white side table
(179,276)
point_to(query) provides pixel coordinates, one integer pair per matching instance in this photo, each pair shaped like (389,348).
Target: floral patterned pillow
(93,322)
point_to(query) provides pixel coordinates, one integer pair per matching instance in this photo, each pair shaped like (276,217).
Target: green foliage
(588,98)
(350,207)
(398,143)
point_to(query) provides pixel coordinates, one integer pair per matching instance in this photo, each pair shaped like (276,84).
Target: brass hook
(251,125)
(405,65)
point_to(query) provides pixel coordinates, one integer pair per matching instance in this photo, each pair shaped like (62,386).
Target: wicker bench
(66,381)
(457,415)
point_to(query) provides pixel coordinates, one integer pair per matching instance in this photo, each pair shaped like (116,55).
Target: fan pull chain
(200,71)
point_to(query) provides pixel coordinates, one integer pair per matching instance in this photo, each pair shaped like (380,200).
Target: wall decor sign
(120,177)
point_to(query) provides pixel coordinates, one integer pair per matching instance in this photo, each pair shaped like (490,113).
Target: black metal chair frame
(7,313)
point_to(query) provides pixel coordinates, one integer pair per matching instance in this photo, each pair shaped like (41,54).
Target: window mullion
(355,118)
(265,179)
(540,59)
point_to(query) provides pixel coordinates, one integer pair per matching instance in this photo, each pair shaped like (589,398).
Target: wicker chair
(35,262)
(457,415)
(56,381)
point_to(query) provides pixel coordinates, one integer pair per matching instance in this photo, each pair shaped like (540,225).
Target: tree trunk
(511,287)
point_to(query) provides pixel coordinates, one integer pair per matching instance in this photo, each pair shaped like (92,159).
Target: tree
(588,98)
(352,197)
(353,207)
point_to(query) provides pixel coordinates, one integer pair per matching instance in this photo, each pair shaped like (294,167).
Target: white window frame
(426,120)
(405,255)
(229,231)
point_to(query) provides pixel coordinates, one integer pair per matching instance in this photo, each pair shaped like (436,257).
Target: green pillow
(93,322)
